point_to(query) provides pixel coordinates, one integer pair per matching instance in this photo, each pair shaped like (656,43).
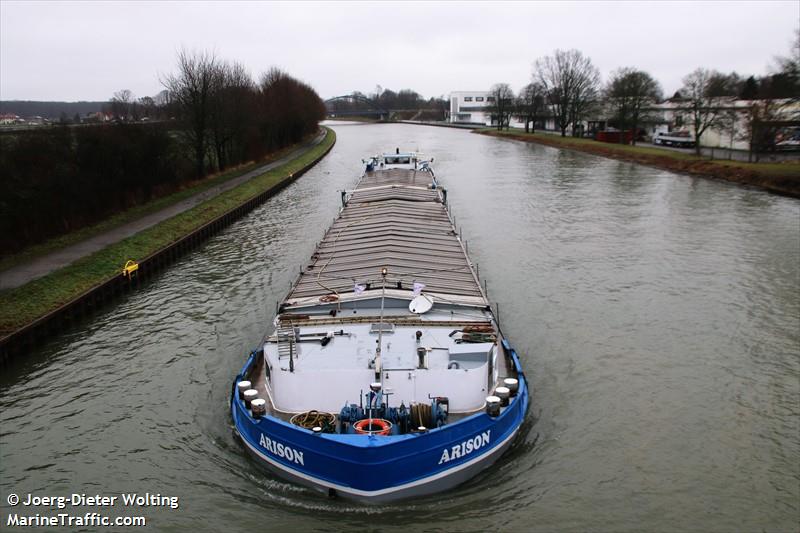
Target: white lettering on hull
(279,449)
(466,447)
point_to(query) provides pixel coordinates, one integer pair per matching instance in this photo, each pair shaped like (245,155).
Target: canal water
(658,316)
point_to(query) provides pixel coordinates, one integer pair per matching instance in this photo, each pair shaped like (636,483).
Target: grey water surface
(658,316)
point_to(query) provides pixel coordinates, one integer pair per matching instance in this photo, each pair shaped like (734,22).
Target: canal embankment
(781,178)
(30,311)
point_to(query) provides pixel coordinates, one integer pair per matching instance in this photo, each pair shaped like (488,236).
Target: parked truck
(678,139)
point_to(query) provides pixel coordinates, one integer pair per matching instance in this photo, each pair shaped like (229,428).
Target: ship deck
(347,322)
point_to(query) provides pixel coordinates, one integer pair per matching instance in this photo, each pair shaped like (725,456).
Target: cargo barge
(385,375)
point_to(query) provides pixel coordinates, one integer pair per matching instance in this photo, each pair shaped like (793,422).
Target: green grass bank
(781,178)
(25,304)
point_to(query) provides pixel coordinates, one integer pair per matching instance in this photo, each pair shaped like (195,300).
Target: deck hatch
(383,327)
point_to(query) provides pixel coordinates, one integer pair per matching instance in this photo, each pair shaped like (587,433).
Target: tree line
(566,86)
(406,99)
(59,179)
(387,99)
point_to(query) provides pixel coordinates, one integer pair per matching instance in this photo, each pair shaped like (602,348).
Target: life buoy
(373,426)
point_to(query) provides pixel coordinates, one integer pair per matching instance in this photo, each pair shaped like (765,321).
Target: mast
(378,367)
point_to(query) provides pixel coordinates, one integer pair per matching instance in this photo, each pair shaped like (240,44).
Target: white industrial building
(474,107)
(470,107)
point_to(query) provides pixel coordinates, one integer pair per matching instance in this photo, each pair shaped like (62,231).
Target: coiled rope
(311,419)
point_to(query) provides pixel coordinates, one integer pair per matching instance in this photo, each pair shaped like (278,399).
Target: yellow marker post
(130,267)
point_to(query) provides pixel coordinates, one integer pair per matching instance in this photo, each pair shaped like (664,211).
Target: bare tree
(289,109)
(784,82)
(790,65)
(229,102)
(773,101)
(585,101)
(629,92)
(720,84)
(503,104)
(530,104)
(571,82)
(769,115)
(704,108)
(190,90)
(408,99)
(749,89)
(147,106)
(121,104)
(439,105)
(387,99)
(728,122)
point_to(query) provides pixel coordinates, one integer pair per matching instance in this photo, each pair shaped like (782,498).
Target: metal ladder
(286,340)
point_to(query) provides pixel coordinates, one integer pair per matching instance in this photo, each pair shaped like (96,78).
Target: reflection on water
(658,315)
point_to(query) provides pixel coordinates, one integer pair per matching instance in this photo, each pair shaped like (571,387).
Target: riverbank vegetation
(405,104)
(759,113)
(783,178)
(25,304)
(60,179)
(186,190)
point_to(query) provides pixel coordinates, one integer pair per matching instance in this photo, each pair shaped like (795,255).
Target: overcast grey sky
(88,50)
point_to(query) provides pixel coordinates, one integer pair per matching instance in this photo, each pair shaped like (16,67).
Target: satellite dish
(421,304)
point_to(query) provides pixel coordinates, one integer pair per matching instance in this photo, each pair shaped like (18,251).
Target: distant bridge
(355,105)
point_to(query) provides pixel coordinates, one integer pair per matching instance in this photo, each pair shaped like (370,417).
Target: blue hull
(382,468)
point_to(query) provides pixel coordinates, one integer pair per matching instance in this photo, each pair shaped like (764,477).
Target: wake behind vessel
(386,375)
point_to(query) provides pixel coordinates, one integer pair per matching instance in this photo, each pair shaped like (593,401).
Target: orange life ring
(328,298)
(373,426)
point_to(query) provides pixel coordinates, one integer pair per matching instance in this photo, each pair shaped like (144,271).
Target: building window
(467,98)
(479,98)
(490,98)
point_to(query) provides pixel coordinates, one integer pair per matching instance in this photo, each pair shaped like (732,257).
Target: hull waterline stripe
(381,492)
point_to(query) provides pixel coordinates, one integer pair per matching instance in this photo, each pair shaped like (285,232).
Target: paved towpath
(41,266)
